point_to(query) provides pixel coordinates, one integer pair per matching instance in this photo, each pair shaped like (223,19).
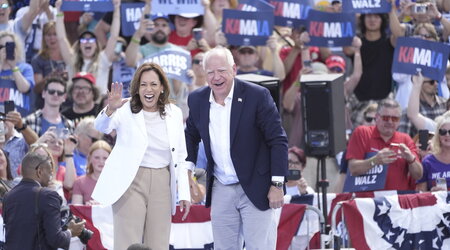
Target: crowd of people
(96,124)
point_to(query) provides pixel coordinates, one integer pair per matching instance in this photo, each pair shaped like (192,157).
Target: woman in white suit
(139,178)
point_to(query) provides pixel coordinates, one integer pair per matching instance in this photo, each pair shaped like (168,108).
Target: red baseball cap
(335,63)
(84,75)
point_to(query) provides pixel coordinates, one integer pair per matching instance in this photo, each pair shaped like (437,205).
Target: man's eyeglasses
(386,118)
(431,82)
(84,89)
(246,51)
(369,119)
(93,139)
(197,61)
(47,159)
(4,6)
(336,69)
(87,40)
(444,132)
(53,91)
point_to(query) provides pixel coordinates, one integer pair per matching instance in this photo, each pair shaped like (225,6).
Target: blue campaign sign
(247,28)
(87,5)
(330,29)
(178,6)
(412,53)
(366,6)
(174,61)
(131,15)
(254,5)
(374,179)
(291,13)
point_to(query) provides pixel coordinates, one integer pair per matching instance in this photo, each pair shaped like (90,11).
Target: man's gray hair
(389,103)
(219,50)
(84,125)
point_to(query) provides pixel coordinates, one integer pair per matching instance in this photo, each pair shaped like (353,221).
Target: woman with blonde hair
(84,185)
(48,61)
(16,75)
(437,165)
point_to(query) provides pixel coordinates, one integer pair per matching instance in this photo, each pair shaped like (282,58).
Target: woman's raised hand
(115,100)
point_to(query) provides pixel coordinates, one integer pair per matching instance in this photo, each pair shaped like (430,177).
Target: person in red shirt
(183,34)
(392,148)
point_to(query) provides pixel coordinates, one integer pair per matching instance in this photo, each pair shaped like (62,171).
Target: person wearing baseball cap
(83,92)
(188,32)
(335,64)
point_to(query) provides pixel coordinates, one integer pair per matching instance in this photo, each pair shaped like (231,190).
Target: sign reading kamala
(247,28)
(290,13)
(366,6)
(330,29)
(374,179)
(254,5)
(178,6)
(131,16)
(175,63)
(87,5)
(413,53)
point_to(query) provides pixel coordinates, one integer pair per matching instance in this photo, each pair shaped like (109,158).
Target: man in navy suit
(31,212)
(246,149)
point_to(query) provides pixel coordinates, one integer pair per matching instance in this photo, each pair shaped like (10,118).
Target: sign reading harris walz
(291,13)
(330,29)
(413,53)
(247,28)
(87,5)
(174,61)
(366,6)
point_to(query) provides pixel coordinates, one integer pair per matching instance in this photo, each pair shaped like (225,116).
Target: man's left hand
(276,197)
(406,153)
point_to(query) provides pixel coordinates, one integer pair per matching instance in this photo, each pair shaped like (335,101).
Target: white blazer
(131,143)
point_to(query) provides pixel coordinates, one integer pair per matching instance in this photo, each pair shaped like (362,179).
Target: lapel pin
(239,99)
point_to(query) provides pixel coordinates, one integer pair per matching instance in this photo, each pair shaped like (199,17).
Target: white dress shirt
(219,133)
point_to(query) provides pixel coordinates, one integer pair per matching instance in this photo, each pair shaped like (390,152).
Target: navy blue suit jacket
(21,221)
(257,140)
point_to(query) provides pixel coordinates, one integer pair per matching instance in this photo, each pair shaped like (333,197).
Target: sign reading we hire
(290,13)
(412,53)
(254,5)
(374,179)
(366,6)
(175,63)
(330,29)
(178,6)
(131,16)
(87,5)
(247,28)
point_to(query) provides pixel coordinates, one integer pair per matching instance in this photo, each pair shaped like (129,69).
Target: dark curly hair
(135,103)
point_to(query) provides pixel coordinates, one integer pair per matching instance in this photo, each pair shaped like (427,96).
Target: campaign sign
(330,29)
(374,179)
(87,5)
(247,28)
(412,53)
(366,6)
(175,63)
(131,16)
(178,6)
(290,13)
(254,5)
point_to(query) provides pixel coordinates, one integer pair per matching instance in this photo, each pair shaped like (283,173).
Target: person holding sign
(86,54)
(147,163)
(247,154)
(385,146)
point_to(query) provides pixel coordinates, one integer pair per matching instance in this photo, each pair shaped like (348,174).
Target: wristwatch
(24,126)
(277,184)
